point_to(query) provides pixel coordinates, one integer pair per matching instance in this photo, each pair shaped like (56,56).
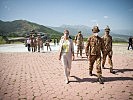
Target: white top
(66,46)
(28,41)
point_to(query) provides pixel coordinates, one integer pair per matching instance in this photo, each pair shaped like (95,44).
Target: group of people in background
(97,49)
(56,41)
(35,44)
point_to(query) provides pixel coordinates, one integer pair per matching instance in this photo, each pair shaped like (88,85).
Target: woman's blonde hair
(66,31)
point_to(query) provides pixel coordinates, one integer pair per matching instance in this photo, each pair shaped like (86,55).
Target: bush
(2,41)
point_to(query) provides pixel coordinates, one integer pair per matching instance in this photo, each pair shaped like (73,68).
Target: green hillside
(21,27)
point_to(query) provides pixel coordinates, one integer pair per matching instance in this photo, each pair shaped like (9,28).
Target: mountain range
(117,35)
(21,27)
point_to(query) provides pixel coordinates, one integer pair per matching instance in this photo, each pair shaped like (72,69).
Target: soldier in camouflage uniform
(94,46)
(35,44)
(107,39)
(39,42)
(79,42)
(32,43)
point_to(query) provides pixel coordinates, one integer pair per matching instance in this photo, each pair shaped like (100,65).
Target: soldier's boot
(103,67)
(111,71)
(100,80)
(77,54)
(81,53)
(90,73)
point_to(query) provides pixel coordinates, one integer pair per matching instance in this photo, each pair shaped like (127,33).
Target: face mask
(107,33)
(96,34)
(66,35)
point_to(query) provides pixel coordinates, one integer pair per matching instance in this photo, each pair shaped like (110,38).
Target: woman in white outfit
(66,53)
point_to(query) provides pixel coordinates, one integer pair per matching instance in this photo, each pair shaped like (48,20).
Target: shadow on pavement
(110,79)
(92,80)
(106,79)
(122,70)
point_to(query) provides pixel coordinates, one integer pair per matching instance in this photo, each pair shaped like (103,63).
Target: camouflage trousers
(79,49)
(92,60)
(109,54)
(33,47)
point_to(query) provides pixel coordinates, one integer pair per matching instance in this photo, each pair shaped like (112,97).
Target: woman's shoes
(67,82)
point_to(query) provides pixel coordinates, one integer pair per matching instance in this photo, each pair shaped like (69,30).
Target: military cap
(79,32)
(107,28)
(95,29)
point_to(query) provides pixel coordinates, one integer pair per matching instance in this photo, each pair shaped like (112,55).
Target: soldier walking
(107,40)
(32,43)
(79,42)
(93,48)
(48,44)
(35,44)
(39,42)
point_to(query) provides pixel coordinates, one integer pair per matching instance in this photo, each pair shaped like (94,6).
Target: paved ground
(22,48)
(40,76)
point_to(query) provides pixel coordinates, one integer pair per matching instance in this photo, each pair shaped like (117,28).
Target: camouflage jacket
(107,40)
(79,39)
(94,45)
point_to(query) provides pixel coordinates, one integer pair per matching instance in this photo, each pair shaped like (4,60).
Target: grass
(2,41)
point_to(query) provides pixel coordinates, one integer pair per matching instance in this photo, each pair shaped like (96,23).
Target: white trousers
(66,59)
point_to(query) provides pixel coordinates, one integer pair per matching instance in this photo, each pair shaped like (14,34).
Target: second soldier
(79,42)
(107,39)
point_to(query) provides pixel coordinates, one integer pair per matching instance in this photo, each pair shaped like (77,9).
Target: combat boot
(100,80)
(90,73)
(103,67)
(111,71)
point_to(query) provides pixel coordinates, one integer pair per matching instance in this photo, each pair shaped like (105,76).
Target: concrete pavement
(40,76)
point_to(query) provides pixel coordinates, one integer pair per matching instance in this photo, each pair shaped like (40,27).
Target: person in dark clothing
(57,41)
(48,44)
(54,41)
(130,43)
(28,44)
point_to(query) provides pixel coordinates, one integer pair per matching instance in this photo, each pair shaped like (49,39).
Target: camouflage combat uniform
(94,46)
(39,43)
(107,40)
(79,42)
(35,44)
(32,43)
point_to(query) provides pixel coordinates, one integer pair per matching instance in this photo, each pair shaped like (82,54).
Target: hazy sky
(118,14)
